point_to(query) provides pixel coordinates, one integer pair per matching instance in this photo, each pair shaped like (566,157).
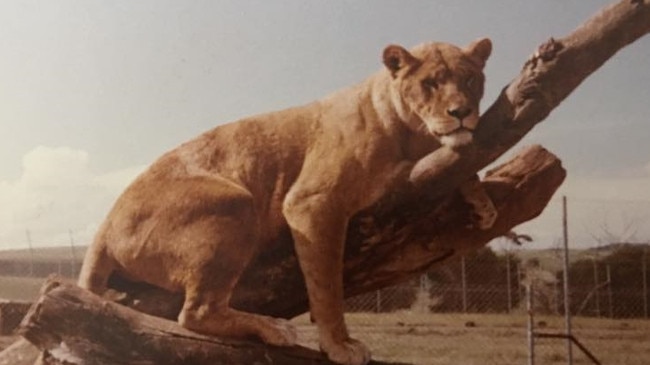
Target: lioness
(194,220)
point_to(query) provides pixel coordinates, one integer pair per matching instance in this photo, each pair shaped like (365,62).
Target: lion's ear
(396,58)
(480,51)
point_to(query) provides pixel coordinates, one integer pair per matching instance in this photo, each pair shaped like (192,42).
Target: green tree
(486,283)
(611,286)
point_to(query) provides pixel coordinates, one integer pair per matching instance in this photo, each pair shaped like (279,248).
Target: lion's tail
(96,269)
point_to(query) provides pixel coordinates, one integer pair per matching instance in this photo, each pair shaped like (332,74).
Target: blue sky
(93,91)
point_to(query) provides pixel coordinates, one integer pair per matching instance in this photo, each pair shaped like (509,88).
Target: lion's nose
(460,112)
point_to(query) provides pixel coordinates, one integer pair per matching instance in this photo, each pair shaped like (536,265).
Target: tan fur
(193,221)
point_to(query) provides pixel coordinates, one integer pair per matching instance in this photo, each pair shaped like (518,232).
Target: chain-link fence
(477,306)
(472,310)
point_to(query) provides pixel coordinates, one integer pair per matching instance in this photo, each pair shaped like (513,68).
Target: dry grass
(20,288)
(444,339)
(437,339)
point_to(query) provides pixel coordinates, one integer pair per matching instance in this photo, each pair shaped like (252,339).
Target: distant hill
(553,259)
(42,254)
(61,259)
(53,257)
(41,262)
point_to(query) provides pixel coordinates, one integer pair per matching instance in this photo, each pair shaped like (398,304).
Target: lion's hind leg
(222,246)
(205,312)
(96,269)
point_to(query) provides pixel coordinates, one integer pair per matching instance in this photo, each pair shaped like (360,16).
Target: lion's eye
(430,82)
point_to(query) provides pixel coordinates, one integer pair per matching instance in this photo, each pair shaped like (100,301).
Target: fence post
(31,253)
(644,270)
(556,296)
(596,283)
(378,301)
(508,281)
(519,284)
(609,291)
(464,283)
(567,297)
(73,258)
(530,329)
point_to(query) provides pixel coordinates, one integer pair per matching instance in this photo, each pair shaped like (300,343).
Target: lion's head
(437,87)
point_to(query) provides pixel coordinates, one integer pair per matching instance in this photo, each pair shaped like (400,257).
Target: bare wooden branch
(556,69)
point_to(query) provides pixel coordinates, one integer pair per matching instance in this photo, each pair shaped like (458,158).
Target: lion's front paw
(279,332)
(347,352)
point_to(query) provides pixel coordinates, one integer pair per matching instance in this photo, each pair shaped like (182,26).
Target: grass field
(51,254)
(444,339)
(19,288)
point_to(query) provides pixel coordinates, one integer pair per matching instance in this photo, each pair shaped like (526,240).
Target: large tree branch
(77,328)
(422,223)
(547,78)
(385,247)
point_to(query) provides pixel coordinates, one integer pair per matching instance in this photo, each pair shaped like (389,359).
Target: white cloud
(57,193)
(43,167)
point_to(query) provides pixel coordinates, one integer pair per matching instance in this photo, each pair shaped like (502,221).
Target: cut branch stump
(76,327)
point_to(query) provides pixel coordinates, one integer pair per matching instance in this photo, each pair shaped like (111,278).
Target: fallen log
(77,327)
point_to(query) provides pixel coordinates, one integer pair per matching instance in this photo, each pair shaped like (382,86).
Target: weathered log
(77,327)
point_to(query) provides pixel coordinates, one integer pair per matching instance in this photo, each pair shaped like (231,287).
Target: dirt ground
(443,339)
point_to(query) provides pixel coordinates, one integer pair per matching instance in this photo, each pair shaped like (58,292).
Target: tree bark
(77,327)
(395,246)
